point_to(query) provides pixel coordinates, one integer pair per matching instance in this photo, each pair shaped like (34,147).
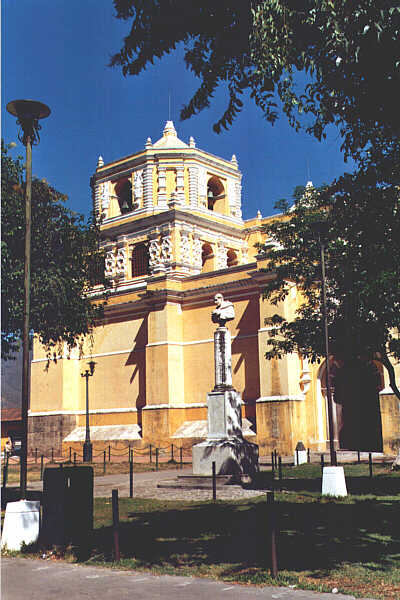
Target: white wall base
(21,524)
(333,482)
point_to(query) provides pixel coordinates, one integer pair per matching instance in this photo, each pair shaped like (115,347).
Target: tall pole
(328,382)
(87,446)
(25,331)
(28,113)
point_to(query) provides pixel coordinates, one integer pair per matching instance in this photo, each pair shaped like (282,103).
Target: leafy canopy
(362,254)
(348,50)
(65,264)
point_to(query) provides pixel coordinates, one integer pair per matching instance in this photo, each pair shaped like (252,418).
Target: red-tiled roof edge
(11,414)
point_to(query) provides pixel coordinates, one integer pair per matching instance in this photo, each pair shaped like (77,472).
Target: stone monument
(225,445)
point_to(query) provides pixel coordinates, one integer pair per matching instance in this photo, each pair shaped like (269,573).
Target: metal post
(131,478)
(358,457)
(28,113)
(322,462)
(41,467)
(297,458)
(74,458)
(214,481)
(115,513)
(370,463)
(104,462)
(150,452)
(280,468)
(70,454)
(272,533)
(87,446)
(109,453)
(172,453)
(52,454)
(276,458)
(336,461)
(36,455)
(156,459)
(273,466)
(328,382)
(5,471)
(308,456)
(181,456)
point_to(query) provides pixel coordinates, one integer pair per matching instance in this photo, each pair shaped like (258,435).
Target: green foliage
(65,264)
(349,51)
(362,254)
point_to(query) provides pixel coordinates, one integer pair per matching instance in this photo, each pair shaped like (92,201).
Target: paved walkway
(145,486)
(26,579)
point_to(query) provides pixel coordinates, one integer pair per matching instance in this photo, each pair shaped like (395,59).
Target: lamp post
(320,228)
(87,446)
(28,113)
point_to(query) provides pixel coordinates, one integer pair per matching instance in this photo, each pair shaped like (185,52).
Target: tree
(349,51)
(66,263)
(362,271)
(319,62)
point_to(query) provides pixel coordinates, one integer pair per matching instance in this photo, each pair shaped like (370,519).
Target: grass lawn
(352,544)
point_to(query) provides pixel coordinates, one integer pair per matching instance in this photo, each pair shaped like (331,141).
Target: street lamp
(333,477)
(28,113)
(87,446)
(321,228)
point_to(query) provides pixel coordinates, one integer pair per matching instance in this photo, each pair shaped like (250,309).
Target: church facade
(174,237)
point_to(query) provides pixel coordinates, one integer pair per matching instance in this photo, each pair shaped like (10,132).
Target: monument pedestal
(225,445)
(232,456)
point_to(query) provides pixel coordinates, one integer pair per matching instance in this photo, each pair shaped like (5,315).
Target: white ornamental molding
(120,262)
(222,256)
(185,247)
(110,263)
(162,186)
(180,183)
(245,253)
(238,186)
(305,377)
(104,197)
(202,182)
(154,254)
(193,186)
(166,249)
(97,201)
(138,185)
(148,200)
(197,253)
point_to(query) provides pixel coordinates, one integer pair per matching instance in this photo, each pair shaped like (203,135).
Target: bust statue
(223,312)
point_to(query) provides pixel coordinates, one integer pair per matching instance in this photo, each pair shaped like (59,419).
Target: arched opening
(215,195)
(355,386)
(123,191)
(207,256)
(232,259)
(140,260)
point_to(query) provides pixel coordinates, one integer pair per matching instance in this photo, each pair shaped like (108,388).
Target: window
(232,259)
(123,191)
(215,192)
(140,260)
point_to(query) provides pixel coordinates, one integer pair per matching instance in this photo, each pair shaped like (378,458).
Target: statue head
(218,299)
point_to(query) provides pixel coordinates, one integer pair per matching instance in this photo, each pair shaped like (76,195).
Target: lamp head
(91,366)
(28,113)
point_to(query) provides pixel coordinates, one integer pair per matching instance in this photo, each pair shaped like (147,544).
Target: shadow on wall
(137,359)
(245,350)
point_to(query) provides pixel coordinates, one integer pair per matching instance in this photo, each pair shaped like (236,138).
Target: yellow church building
(174,236)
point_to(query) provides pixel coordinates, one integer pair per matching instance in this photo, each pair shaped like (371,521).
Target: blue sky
(57,52)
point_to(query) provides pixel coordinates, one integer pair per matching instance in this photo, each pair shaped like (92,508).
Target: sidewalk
(28,579)
(145,486)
